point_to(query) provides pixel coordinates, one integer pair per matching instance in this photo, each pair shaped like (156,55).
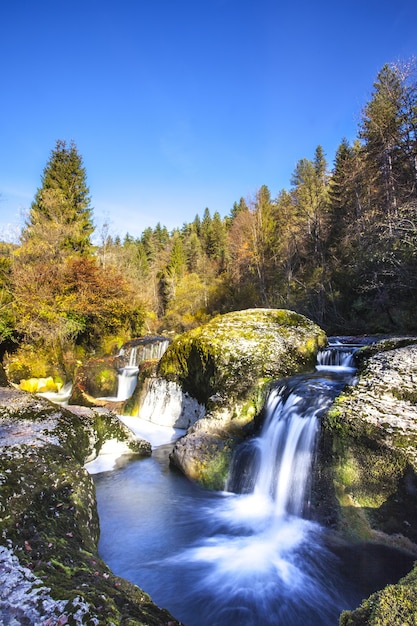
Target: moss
(395,605)
(213,472)
(48,515)
(374,483)
(229,354)
(408,395)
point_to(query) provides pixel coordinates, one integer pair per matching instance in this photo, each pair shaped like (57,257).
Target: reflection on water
(220,559)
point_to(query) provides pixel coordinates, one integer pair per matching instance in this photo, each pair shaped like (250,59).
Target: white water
(127,380)
(148,349)
(166,404)
(247,556)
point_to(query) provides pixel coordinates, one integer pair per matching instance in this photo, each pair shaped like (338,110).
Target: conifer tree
(61,216)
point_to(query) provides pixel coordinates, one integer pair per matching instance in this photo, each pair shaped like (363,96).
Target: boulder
(50,571)
(367,467)
(226,366)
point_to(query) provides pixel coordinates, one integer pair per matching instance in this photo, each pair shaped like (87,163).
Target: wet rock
(369,451)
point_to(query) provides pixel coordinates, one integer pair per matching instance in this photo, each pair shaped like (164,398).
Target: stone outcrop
(50,572)
(226,366)
(369,463)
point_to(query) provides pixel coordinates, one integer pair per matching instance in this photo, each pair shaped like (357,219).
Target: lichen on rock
(368,448)
(50,571)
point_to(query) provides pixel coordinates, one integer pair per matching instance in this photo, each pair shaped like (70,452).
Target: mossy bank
(50,572)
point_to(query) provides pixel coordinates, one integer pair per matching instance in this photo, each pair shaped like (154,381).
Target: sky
(179,105)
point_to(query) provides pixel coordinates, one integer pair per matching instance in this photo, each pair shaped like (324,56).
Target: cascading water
(248,555)
(128,377)
(146,349)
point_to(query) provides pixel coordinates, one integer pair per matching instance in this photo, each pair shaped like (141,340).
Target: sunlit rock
(226,366)
(50,572)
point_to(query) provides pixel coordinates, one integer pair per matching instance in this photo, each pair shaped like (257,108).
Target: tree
(381,132)
(61,216)
(311,200)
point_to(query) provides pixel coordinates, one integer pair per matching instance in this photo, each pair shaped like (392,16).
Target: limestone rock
(372,462)
(50,572)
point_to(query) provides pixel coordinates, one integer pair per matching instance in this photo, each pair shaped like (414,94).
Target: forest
(339,246)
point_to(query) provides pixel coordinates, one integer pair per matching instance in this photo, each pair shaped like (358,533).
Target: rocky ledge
(371,457)
(50,572)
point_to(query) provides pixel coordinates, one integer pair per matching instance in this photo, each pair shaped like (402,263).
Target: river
(249,555)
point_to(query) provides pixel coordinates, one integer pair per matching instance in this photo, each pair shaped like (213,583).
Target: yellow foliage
(40,385)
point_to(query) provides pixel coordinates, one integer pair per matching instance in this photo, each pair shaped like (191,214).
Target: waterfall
(145,349)
(277,465)
(127,380)
(249,555)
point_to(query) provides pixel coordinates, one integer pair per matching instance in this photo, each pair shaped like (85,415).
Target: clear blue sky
(178,105)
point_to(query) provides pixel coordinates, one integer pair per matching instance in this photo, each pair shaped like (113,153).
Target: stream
(248,555)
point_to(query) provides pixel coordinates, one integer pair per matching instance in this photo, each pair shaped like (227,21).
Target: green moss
(229,354)
(407,395)
(48,515)
(213,473)
(395,605)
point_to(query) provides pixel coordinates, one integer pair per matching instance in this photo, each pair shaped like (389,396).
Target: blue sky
(179,105)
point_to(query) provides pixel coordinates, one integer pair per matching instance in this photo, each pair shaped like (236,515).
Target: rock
(95,379)
(50,572)
(226,366)
(164,403)
(368,452)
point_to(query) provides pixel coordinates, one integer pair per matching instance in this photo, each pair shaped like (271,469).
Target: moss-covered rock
(368,462)
(232,353)
(95,379)
(50,572)
(98,378)
(226,365)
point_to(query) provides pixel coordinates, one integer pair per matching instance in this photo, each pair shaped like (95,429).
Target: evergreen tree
(61,216)
(381,133)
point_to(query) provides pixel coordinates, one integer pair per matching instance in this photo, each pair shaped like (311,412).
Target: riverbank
(378,490)
(50,571)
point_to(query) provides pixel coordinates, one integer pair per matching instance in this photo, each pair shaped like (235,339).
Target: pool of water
(220,559)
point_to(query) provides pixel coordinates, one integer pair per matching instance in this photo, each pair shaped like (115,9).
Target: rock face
(164,403)
(369,462)
(50,572)
(226,366)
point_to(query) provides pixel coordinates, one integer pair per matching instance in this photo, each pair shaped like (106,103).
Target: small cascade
(127,380)
(146,349)
(338,356)
(277,465)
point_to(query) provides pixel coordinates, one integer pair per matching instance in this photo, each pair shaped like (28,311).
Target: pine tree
(61,216)
(380,131)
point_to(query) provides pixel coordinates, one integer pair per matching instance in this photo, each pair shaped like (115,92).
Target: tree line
(339,245)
